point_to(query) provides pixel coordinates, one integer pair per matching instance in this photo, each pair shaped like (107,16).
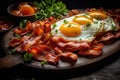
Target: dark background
(70,4)
(106,69)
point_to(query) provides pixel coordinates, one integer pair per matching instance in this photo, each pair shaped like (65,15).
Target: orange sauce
(24,10)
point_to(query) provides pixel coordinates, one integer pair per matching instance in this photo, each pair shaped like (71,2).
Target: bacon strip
(109,37)
(66,56)
(94,51)
(73,46)
(43,53)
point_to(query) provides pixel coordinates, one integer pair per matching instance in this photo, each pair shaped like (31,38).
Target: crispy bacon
(66,56)
(69,57)
(51,19)
(94,51)
(73,12)
(16,41)
(109,37)
(43,53)
(52,58)
(25,30)
(27,44)
(33,38)
(115,14)
(70,45)
(73,46)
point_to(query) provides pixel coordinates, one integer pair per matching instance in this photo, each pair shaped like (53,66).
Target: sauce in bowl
(24,9)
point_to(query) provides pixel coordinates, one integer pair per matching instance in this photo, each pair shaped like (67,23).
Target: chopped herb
(65,21)
(27,57)
(43,63)
(113,28)
(13,51)
(56,31)
(28,34)
(80,39)
(102,25)
(96,22)
(98,18)
(107,20)
(84,15)
(88,24)
(36,17)
(89,36)
(17,35)
(22,23)
(54,25)
(69,25)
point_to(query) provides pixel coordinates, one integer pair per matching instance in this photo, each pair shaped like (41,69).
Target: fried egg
(83,27)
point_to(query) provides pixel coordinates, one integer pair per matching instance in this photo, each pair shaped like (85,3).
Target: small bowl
(5,24)
(15,6)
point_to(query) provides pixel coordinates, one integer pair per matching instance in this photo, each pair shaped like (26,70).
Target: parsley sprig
(22,23)
(43,63)
(17,36)
(27,57)
(47,8)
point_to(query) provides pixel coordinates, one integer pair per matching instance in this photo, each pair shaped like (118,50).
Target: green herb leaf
(27,57)
(65,21)
(13,51)
(47,8)
(85,14)
(69,25)
(54,25)
(98,18)
(36,4)
(114,28)
(80,39)
(17,35)
(88,24)
(28,34)
(36,17)
(96,22)
(22,23)
(56,31)
(43,63)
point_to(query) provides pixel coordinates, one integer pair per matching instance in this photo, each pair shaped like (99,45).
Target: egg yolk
(70,29)
(98,15)
(27,10)
(82,20)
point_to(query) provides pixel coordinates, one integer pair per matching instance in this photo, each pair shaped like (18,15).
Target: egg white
(88,33)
